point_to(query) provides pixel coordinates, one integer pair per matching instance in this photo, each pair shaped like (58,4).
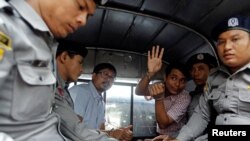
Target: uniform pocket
(33,92)
(36,75)
(244,102)
(244,95)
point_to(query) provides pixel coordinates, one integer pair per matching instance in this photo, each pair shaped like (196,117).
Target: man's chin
(60,34)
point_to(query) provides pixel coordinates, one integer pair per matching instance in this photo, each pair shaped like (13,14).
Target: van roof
(182,27)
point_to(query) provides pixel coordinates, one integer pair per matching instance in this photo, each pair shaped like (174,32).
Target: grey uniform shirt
(230,96)
(71,126)
(195,99)
(26,75)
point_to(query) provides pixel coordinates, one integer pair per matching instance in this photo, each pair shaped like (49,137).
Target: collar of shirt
(225,69)
(60,81)
(198,90)
(30,15)
(94,92)
(247,66)
(173,97)
(62,88)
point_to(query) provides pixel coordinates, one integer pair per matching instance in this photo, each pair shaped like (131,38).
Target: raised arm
(154,64)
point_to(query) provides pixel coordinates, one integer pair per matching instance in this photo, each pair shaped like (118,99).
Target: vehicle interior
(122,31)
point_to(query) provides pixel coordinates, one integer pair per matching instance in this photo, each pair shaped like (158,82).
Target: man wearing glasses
(89,102)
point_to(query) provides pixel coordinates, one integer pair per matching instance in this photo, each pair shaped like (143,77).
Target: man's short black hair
(102,66)
(71,47)
(179,66)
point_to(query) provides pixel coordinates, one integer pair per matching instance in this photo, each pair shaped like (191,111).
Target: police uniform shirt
(195,99)
(26,77)
(230,96)
(70,123)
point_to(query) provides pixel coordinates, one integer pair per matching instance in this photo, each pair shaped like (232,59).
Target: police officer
(27,48)
(228,87)
(69,59)
(199,65)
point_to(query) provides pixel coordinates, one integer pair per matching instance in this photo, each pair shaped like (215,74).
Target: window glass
(119,114)
(143,116)
(118,106)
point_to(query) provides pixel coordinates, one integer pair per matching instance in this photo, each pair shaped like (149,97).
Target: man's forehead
(176,72)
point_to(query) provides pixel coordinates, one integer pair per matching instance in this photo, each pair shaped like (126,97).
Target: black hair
(179,66)
(102,66)
(72,47)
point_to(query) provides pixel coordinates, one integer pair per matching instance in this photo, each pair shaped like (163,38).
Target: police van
(122,31)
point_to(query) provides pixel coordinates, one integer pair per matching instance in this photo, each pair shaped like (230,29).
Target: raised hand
(155,59)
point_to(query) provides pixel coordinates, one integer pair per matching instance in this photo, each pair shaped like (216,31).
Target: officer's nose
(82,19)
(228,45)
(195,73)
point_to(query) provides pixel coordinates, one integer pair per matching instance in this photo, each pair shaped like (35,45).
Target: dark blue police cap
(234,22)
(72,46)
(205,58)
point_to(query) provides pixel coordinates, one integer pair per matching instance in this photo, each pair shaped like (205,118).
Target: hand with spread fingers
(155,60)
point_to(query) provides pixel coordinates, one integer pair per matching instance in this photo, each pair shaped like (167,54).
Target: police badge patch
(5,44)
(1,53)
(5,41)
(232,22)
(200,56)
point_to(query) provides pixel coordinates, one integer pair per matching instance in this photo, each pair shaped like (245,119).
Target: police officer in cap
(228,87)
(199,65)
(69,59)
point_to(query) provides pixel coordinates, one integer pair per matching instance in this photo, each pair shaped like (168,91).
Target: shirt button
(225,119)
(226,96)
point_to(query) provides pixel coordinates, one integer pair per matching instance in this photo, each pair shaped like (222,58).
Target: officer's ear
(63,56)
(94,76)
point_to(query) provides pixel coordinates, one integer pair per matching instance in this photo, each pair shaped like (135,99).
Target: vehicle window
(123,107)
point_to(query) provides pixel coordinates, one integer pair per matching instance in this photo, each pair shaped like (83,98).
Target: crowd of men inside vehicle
(37,63)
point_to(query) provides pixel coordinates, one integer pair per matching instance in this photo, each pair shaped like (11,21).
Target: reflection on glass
(118,103)
(144,116)
(118,109)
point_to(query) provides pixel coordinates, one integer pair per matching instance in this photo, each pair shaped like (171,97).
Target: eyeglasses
(106,75)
